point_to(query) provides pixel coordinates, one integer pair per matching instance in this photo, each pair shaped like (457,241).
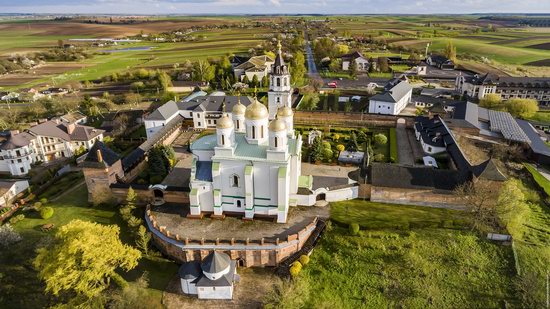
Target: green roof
(243,149)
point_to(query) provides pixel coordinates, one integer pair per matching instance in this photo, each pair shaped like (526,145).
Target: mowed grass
(419,266)
(21,287)
(541,181)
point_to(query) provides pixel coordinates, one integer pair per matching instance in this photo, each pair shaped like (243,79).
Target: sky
(274,6)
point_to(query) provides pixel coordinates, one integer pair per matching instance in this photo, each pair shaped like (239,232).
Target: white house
(212,279)
(9,189)
(431,133)
(397,94)
(361,61)
(47,141)
(258,66)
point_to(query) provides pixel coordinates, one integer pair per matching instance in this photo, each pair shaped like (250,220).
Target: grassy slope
(21,287)
(426,266)
(543,183)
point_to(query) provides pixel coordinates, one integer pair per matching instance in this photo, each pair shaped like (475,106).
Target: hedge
(393,145)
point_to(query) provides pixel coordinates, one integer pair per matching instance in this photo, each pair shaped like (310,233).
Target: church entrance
(321,197)
(239,203)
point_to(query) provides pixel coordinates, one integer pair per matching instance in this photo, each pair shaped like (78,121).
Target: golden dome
(239,108)
(224,123)
(277,125)
(256,111)
(284,111)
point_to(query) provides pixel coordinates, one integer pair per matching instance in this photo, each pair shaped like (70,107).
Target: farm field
(404,256)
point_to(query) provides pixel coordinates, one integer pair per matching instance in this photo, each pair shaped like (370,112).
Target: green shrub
(393,146)
(379,157)
(44,200)
(380,139)
(296,264)
(354,229)
(46,212)
(294,271)
(156,179)
(37,205)
(304,259)
(17,219)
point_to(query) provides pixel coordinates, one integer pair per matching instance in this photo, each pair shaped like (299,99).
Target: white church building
(251,165)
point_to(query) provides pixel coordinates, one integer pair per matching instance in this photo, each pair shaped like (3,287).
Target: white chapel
(252,164)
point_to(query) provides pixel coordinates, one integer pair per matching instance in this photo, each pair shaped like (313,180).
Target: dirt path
(404,148)
(76,186)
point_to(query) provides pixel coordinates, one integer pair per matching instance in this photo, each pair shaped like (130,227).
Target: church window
(238,124)
(253,132)
(234,180)
(223,140)
(278,82)
(286,81)
(261,131)
(276,142)
(239,203)
(278,100)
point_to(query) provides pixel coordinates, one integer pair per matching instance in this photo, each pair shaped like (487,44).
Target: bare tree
(480,197)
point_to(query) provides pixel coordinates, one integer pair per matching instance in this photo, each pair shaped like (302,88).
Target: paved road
(311,67)
(404,148)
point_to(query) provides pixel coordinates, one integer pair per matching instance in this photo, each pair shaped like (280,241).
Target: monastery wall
(421,197)
(248,252)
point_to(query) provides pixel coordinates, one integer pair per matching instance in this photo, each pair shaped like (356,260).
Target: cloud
(274,6)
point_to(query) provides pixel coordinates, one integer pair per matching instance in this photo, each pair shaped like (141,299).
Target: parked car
(333,84)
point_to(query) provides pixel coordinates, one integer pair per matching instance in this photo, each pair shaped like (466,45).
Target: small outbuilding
(211,279)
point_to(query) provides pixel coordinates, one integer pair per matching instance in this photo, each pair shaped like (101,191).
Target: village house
(9,189)
(507,87)
(440,62)
(361,61)
(397,94)
(258,66)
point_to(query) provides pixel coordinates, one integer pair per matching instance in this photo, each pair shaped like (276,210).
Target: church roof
(190,270)
(243,149)
(215,262)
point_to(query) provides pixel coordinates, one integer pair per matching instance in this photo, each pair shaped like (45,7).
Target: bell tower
(280,91)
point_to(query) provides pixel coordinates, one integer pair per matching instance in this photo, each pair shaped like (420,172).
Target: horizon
(275,7)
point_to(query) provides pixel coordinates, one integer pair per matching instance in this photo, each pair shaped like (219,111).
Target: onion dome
(256,111)
(239,108)
(224,123)
(284,111)
(277,125)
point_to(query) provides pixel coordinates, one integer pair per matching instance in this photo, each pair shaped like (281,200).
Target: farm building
(397,94)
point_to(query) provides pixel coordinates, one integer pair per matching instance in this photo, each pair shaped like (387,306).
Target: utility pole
(426,53)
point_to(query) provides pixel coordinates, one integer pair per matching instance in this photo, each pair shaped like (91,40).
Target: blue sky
(274,6)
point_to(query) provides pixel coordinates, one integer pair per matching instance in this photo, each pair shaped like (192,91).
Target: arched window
(278,82)
(239,204)
(235,180)
(253,132)
(223,140)
(238,124)
(261,131)
(276,142)
(278,100)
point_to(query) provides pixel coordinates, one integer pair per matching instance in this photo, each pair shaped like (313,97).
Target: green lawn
(420,266)
(541,117)
(541,181)
(20,285)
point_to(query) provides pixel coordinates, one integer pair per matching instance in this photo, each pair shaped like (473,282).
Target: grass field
(20,285)
(419,265)
(541,181)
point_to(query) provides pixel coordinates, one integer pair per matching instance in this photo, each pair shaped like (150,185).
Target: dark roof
(17,141)
(413,177)
(465,114)
(352,56)
(433,131)
(216,262)
(536,143)
(440,59)
(489,171)
(225,280)
(190,270)
(509,81)
(393,93)
(109,156)
(204,171)
(213,103)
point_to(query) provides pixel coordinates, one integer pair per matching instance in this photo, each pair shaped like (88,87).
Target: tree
(84,258)
(203,71)
(491,101)
(60,43)
(342,49)
(512,206)
(352,143)
(265,82)
(522,108)
(133,98)
(316,153)
(255,82)
(164,80)
(353,69)
(8,236)
(340,147)
(298,68)
(480,199)
(380,139)
(143,239)
(450,51)
(383,65)
(309,102)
